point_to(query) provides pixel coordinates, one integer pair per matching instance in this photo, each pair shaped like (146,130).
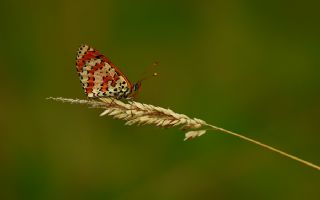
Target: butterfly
(100,77)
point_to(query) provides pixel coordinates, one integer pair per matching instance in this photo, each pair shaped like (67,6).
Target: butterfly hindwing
(99,77)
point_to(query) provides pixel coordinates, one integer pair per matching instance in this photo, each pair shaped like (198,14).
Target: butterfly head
(135,89)
(137,86)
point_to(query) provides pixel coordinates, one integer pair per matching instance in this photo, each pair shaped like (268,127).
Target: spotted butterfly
(100,77)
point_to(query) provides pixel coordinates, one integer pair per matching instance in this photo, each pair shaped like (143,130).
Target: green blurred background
(248,66)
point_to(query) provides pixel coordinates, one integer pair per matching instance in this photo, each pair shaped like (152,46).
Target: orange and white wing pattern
(100,77)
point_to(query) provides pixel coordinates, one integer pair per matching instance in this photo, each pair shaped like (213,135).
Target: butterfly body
(100,77)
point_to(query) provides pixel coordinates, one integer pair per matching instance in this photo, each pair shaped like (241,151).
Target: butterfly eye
(136,86)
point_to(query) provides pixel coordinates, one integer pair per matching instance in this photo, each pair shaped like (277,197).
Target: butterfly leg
(112,101)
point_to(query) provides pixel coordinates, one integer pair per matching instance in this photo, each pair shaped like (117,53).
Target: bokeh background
(248,66)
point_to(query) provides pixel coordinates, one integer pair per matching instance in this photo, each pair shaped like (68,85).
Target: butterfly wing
(100,77)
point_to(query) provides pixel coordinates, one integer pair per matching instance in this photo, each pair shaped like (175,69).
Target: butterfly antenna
(149,71)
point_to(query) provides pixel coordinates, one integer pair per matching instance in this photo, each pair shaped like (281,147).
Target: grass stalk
(145,114)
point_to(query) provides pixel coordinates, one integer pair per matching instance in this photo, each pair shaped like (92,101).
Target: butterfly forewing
(100,77)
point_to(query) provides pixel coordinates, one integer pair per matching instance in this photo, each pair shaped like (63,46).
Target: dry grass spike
(135,113)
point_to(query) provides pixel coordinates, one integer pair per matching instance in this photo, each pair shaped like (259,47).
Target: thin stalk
(145,114)
(265,146)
